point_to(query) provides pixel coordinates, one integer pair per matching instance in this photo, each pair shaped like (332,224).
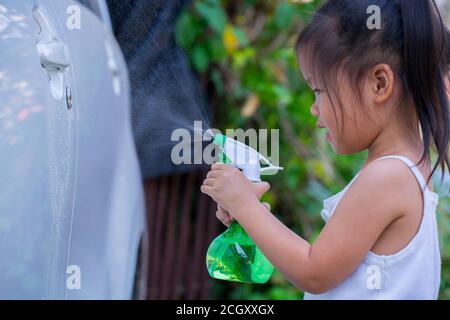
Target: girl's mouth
(320,126)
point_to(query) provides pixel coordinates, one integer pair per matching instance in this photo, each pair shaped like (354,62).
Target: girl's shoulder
(395,184)
(391,182)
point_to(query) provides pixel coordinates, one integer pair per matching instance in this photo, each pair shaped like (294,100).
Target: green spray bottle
(233,255)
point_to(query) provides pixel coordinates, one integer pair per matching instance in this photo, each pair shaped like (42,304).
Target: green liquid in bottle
(233,256)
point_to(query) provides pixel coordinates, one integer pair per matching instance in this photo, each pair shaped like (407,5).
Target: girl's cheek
(328,118)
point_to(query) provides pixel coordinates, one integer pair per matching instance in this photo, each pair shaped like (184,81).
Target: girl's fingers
(219,166)
(206,189)
(260,188)
(224,212)
(208,182)
(222,218)
(212,174)
(221,214)
(226,216)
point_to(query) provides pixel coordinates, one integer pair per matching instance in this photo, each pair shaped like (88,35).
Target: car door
(37,152)
(108,216)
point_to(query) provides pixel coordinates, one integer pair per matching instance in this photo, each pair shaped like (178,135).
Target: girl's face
(349,130)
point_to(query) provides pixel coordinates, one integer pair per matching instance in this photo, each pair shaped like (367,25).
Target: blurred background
(243,54)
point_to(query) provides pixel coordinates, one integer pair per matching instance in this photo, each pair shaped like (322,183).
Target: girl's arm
(371,203)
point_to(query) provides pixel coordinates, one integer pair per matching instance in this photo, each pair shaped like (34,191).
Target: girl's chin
(332,143)
(330,140)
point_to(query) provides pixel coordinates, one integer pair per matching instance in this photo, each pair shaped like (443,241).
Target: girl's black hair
(412,40)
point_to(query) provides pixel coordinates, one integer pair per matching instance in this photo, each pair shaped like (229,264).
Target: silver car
(72,217)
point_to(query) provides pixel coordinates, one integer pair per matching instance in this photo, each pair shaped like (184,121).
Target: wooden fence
(181,225)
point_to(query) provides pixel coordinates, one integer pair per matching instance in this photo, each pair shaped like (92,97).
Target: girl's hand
(230,188)
(259,188)
(226,218)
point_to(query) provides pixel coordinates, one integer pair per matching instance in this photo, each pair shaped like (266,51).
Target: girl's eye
(317,92)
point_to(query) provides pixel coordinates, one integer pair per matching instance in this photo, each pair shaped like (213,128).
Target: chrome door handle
(53,54)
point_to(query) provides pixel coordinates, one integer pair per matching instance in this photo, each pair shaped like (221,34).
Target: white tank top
(411,273)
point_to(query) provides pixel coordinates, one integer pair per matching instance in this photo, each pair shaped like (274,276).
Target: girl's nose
(314,110)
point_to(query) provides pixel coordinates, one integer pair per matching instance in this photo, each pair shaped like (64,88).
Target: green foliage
(244,50)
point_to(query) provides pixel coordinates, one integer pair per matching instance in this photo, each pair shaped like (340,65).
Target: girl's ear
(381,79)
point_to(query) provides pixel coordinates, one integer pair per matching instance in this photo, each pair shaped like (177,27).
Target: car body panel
(71,191)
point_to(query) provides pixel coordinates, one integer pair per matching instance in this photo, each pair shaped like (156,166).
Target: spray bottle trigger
(271,170)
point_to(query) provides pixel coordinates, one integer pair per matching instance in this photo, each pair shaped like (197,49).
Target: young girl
(377,89)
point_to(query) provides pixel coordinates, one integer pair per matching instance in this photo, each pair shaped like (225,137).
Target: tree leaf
(200,58)
(230,39)
(213,14)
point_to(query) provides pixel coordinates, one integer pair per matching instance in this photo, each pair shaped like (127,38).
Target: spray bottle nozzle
(244,157)
(208,135)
